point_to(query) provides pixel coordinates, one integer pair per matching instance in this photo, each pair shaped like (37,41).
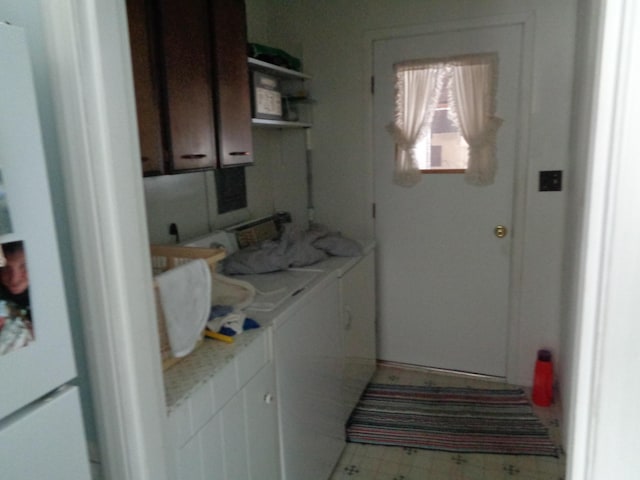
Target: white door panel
(444,275)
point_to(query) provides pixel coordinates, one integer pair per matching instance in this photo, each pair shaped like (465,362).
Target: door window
(448,148)
(444,118)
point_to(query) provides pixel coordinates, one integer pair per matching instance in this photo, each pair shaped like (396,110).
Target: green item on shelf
(274,56)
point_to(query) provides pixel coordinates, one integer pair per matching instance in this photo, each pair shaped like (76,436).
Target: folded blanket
(294,249)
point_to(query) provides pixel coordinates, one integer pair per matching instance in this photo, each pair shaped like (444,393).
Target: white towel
(185,296)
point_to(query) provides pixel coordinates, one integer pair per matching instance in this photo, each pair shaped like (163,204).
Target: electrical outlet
(173,230)
(550,181)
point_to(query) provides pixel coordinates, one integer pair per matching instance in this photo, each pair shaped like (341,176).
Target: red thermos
(543,380)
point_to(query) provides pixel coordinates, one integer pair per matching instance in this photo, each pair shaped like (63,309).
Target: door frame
(602,440)
(526,21)
(585,459)
(92,85)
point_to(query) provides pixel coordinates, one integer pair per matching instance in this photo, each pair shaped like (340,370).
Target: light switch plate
(550,181)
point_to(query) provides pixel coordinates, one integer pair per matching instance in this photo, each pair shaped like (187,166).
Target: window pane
(449,150)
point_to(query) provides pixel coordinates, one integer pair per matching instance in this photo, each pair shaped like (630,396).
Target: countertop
(189,374)
(192,372)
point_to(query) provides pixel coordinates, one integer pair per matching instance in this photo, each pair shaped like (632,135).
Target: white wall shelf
(261,122)
(294,88)
(256,64)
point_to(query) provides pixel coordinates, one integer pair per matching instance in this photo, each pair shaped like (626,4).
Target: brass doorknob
(500,231)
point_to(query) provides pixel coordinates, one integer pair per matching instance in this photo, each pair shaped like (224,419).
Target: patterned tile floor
(372,462)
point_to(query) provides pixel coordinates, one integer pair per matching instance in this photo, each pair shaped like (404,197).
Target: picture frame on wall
(5,216)
(16,323)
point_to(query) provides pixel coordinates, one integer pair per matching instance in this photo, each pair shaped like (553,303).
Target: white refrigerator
(41,430)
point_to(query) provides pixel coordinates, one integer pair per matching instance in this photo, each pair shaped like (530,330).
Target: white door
(443,274)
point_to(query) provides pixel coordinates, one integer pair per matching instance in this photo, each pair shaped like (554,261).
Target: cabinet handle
(244,154)
(193,156)
(146,159)
(269,398)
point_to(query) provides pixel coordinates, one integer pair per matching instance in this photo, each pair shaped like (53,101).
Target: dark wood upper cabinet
(231,73)
(186,46)
(146,84)
(192,84)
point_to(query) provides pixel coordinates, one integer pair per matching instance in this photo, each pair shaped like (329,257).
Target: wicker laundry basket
(166,257)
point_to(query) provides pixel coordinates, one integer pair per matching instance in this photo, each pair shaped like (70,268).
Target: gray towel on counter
(294,249)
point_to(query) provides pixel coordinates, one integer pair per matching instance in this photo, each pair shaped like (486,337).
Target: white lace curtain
(473,81)
(417,89)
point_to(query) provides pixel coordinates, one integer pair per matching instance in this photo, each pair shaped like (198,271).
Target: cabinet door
(147,89)
(231,73)
(263,452)
(235,441)
(213,444)
(189,461)
(185,33)
(359,312)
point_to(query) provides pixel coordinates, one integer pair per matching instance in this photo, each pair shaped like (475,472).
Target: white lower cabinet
(250,431)
(260,407)
(234,432)
(201,456)
(284,419)
(358,299)
(228,429)
(212,447)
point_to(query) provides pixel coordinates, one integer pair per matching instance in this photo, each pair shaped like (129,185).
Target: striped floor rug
(461,420)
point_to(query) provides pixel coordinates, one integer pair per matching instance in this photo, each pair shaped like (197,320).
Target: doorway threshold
(442,371)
